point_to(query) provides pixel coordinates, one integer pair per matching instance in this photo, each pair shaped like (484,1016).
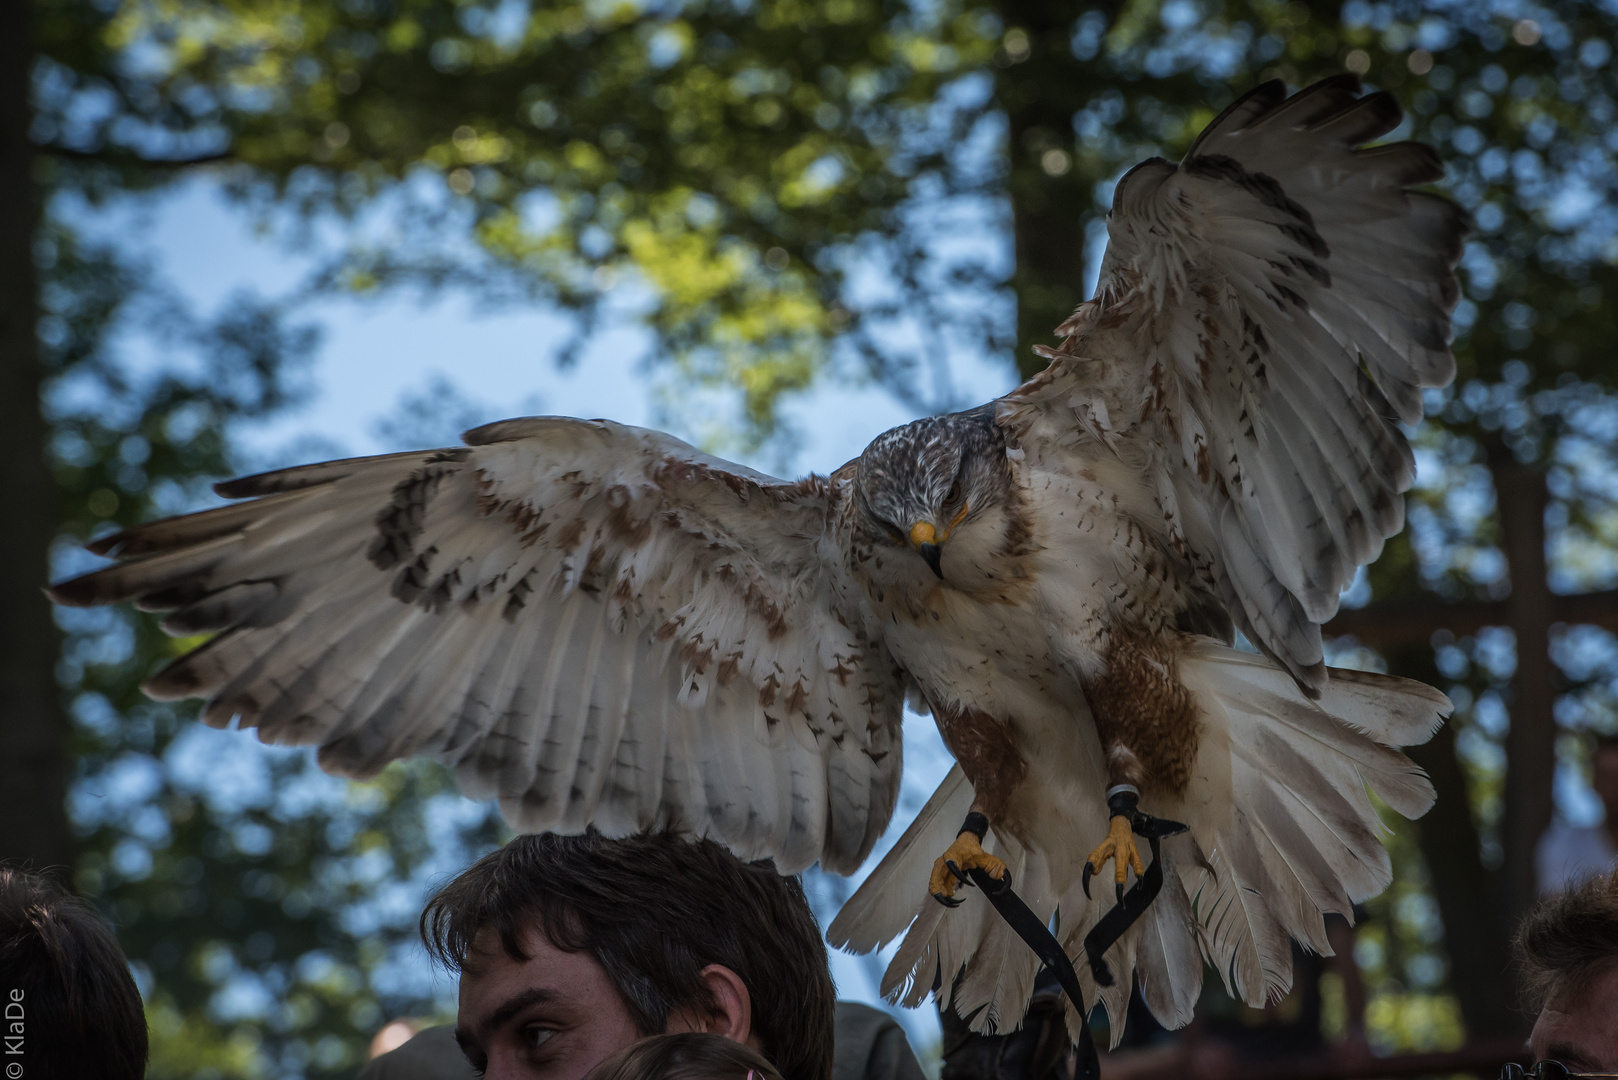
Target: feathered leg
(1148,726)
(989,757)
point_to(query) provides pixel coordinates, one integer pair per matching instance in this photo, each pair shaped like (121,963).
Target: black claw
(947,901)
(1085,879)
(960,875)
(1119,889)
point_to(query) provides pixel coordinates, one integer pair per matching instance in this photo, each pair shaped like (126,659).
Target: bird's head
(920,485)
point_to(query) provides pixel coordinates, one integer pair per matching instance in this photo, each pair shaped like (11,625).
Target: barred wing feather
(1269,310)
(595,623)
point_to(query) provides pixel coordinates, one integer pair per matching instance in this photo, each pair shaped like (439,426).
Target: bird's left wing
(1269,309)
(598,624)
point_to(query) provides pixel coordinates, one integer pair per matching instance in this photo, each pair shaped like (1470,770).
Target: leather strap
(1101,937)
(1113,925)
(1038,937)
(1122,801)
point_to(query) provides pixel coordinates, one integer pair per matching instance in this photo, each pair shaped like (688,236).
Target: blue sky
(374,351)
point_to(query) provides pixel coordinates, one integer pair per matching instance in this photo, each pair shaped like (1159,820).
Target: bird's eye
(894,532)
(954,495)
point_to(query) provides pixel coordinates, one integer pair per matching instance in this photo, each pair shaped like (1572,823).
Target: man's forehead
(488,948)
(494,983)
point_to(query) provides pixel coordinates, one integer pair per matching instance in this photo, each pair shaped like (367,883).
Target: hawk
(602,626)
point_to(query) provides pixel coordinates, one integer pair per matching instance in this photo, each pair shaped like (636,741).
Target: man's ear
(732,1014)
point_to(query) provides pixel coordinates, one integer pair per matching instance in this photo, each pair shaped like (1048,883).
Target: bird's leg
(1119,846)
(966,853)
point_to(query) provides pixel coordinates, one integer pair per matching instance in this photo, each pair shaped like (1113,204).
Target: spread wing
(1268,310)
(595,623)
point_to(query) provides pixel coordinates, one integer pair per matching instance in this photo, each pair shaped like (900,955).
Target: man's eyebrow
(1571,1056)
(515,1004)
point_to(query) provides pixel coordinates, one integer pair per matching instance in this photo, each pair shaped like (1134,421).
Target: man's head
(571,947)
(1568,951)
(67,984)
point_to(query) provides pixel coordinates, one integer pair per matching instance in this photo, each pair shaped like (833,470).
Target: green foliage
(714,153)
(741,162)
(1400,950)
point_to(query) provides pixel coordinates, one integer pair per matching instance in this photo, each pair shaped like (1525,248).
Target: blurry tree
(790,187)
(270,911)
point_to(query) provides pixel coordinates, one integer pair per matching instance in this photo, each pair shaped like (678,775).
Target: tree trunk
(1470,901)
(33,732)
(1041,90)
(1521,499)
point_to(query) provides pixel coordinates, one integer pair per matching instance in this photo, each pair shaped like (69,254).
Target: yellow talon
(967,854)
(1119,846)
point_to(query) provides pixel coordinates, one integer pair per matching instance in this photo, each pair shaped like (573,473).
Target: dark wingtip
(1346,80)
(74,592)
(243,487)
(108,545)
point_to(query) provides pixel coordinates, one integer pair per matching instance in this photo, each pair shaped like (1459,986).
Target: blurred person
(1567,854)
(69,1004)
(689,1055)
(1567,952)
(870,1045)
(571,948)
(402,1051)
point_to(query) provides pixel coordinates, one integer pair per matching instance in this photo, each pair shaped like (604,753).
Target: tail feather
(884,905)
(1247,943)
(1283,831)
(1169,963)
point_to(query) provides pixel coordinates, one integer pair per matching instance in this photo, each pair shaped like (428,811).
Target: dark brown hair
(686,1056)
(65,974)
(654,910)
(1567,940)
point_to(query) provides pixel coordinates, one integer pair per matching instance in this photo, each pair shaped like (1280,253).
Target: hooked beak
(932,553)
(925,539)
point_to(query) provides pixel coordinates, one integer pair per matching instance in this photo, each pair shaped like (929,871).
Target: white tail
(1283,830)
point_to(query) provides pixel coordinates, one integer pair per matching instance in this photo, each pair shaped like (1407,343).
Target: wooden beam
(1405,622)
(1530,743)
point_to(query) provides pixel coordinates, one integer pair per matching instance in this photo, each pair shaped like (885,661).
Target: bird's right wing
(1269,310)
(598,624)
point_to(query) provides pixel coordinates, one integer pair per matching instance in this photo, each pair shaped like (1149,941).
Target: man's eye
(535,1036)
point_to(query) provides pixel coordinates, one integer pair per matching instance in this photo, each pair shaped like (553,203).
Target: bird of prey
(602,626)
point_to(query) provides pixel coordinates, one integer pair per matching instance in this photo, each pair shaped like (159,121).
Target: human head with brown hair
(690,1055)
(570,948)
(1567,950)
(69,1003)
